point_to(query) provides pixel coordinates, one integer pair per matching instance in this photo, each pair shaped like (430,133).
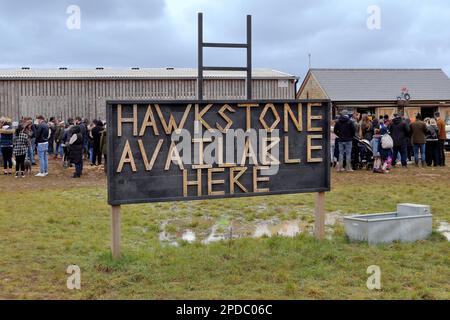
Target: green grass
(44,232)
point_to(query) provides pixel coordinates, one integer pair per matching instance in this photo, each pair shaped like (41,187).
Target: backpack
(433,133)
(386,141)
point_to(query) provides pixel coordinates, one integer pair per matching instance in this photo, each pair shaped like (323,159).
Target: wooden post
(115,232)
(319,216)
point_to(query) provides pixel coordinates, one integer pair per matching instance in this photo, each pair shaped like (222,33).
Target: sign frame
(110,153)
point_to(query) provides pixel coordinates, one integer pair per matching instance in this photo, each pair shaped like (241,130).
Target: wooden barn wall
(87,98)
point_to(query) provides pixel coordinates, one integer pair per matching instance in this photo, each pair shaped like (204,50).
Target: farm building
(71,92)
(379,91)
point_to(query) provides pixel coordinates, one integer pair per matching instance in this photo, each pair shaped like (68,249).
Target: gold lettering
(168,128)
(211,182)
(147,123)
(286,152)
(197,183)
(263,114)
(248,153)
(227,119)
(173,155)
(199,115)
(121,120)
(257,179)
(248,115)
(311,117)
(310,147)
(127,157)
(200,142)
(288,113)
(266,148)
(234,178)
(149,165)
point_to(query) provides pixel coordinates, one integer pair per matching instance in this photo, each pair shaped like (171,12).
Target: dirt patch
(58,178)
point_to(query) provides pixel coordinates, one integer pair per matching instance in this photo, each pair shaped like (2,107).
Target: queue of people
(391,140)
(73,141)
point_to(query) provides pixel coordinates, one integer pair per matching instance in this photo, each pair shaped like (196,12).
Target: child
(20,149)
(385,153)
(376,145)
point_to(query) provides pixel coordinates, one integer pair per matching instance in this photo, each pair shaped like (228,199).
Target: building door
(427,112)
(370,111)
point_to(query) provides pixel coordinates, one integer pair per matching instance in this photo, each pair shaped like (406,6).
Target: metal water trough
(411,222)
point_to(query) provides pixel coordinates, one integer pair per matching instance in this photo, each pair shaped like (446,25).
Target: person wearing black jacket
(400,134)
(345,130)
(76,150)
(84,134)
(96,135)
(41,136)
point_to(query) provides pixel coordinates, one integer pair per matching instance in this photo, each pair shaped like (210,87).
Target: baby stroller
(362,154)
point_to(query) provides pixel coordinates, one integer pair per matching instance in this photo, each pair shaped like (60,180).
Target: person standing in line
(96,134)
(65,142)
(59,133)
(91,141)
(431,149)
(385,151)
(366,128)
(376,146)
(399,132)
(28,129)
(104,146)
(76,151)
(6,144)
(387,121)
(20,148)
(84,133)
(42,134)
(409,146)
(51,135)
(441,138)
(345,130)
(419,139)
(356,123)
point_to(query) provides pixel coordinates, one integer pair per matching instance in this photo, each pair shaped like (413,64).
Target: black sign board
(187,150)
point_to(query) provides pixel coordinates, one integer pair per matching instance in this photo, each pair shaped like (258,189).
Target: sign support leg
(115,232)
(319,216)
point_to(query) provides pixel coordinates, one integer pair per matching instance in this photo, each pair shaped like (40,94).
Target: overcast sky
(160,33)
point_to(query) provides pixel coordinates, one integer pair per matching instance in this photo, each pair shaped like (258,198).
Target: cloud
(162,33)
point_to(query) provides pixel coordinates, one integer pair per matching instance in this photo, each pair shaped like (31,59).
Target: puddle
(444,229)
(188,236)
(214,236)
(262,230)
(165,237)
(284,229)
(224,229)
(332,218)
(207,230)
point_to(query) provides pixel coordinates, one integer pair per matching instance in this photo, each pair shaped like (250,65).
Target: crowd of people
(73,141)
(391,140)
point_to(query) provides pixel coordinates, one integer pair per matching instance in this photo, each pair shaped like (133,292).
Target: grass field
(49,223)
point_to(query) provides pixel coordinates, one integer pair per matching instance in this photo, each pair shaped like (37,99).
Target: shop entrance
(427,112)
(370,111)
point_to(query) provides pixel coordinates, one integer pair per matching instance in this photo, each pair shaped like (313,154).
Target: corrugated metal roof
(141,73)
(383,84)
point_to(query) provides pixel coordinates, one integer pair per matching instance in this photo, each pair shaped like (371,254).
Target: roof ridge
(369,69)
